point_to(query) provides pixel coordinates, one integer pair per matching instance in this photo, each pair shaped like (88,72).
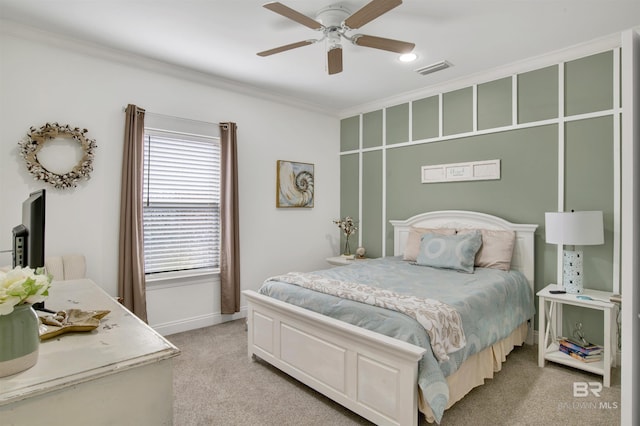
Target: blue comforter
(491,303)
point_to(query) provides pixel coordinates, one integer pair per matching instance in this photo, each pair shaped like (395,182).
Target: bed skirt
(477,368)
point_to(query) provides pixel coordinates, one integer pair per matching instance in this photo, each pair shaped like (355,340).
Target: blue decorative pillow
(450,251)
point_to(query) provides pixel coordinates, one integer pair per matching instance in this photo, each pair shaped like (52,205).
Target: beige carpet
(215,383)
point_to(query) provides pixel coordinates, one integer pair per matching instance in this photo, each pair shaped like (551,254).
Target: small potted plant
(19,323)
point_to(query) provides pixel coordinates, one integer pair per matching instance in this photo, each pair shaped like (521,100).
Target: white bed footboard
(366,372)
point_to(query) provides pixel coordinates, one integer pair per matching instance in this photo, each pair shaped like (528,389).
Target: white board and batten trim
(457,172)
(611,43)
(577,51)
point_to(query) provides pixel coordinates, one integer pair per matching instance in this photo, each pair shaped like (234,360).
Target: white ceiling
(221,38)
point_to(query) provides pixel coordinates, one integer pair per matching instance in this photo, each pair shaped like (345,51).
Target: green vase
(19,340)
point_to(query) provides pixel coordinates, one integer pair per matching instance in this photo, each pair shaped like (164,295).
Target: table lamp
(574,229)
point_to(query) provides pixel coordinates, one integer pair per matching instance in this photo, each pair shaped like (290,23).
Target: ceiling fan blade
(388,44)
(334,60)
(369,12)
(294,15)
(286,47)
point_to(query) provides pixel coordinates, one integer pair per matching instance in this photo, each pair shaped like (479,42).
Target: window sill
(179,276)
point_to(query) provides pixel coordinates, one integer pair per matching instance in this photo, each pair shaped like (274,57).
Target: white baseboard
(193,323)
(618,352)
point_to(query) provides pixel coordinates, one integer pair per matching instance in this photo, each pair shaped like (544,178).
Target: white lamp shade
(574,228)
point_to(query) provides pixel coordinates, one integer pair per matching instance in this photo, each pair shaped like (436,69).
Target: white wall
(45,79)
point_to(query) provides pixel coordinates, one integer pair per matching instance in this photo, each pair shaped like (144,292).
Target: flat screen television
(28,237)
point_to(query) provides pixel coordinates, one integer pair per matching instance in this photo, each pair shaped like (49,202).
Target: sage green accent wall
(457,114)
(349,188)
(529,160)
(530,172)
(372,129)
(538,95)
(494,104)
(398,124)
(590,319)
(526,190)
(589,171)
(372,203)
(589,84)
(350,134)
(425,118)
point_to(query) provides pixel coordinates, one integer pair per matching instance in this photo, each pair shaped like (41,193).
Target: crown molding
(558,56)
(14,29)
(18,30)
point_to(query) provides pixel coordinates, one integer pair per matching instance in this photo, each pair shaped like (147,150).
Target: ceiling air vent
(433,67)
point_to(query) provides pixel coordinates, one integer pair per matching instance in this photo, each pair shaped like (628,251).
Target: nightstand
(340,260)
(550,308)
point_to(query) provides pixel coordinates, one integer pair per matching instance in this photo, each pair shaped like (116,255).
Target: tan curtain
(131,284)
(229,230)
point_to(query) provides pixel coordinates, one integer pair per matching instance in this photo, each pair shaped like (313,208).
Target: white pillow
(496,250)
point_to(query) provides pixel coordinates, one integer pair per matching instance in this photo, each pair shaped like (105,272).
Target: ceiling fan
(335,22)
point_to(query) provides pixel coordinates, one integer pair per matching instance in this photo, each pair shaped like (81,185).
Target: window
(181,203)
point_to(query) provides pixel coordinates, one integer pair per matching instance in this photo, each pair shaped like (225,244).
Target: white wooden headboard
(523,254)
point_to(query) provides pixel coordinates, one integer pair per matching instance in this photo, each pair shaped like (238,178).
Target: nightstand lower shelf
(553,354)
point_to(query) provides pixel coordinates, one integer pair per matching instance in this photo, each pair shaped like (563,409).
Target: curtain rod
(124,109)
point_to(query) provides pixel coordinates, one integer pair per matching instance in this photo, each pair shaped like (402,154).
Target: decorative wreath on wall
(31,144)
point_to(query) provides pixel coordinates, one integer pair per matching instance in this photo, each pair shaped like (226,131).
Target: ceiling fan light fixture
(438,66)
(408,57)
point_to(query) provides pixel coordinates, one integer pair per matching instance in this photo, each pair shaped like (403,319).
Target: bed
(381,368)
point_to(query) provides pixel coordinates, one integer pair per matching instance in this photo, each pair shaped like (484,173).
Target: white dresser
(119,374)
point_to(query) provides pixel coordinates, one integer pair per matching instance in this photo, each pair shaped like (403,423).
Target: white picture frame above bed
(458,172)
(366,372)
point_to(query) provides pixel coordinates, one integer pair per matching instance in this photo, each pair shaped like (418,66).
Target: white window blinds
(181,202)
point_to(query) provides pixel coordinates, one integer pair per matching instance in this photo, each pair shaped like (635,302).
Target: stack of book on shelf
(580,351)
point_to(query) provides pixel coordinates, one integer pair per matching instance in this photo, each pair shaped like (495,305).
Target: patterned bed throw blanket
(490,304)
(441,322)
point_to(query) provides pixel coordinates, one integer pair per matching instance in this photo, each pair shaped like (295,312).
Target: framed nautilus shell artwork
(294,184)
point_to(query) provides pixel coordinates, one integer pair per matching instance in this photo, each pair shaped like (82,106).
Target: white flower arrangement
(348,226)
(22,285)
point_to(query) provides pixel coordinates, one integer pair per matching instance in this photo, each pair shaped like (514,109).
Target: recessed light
(408,57)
